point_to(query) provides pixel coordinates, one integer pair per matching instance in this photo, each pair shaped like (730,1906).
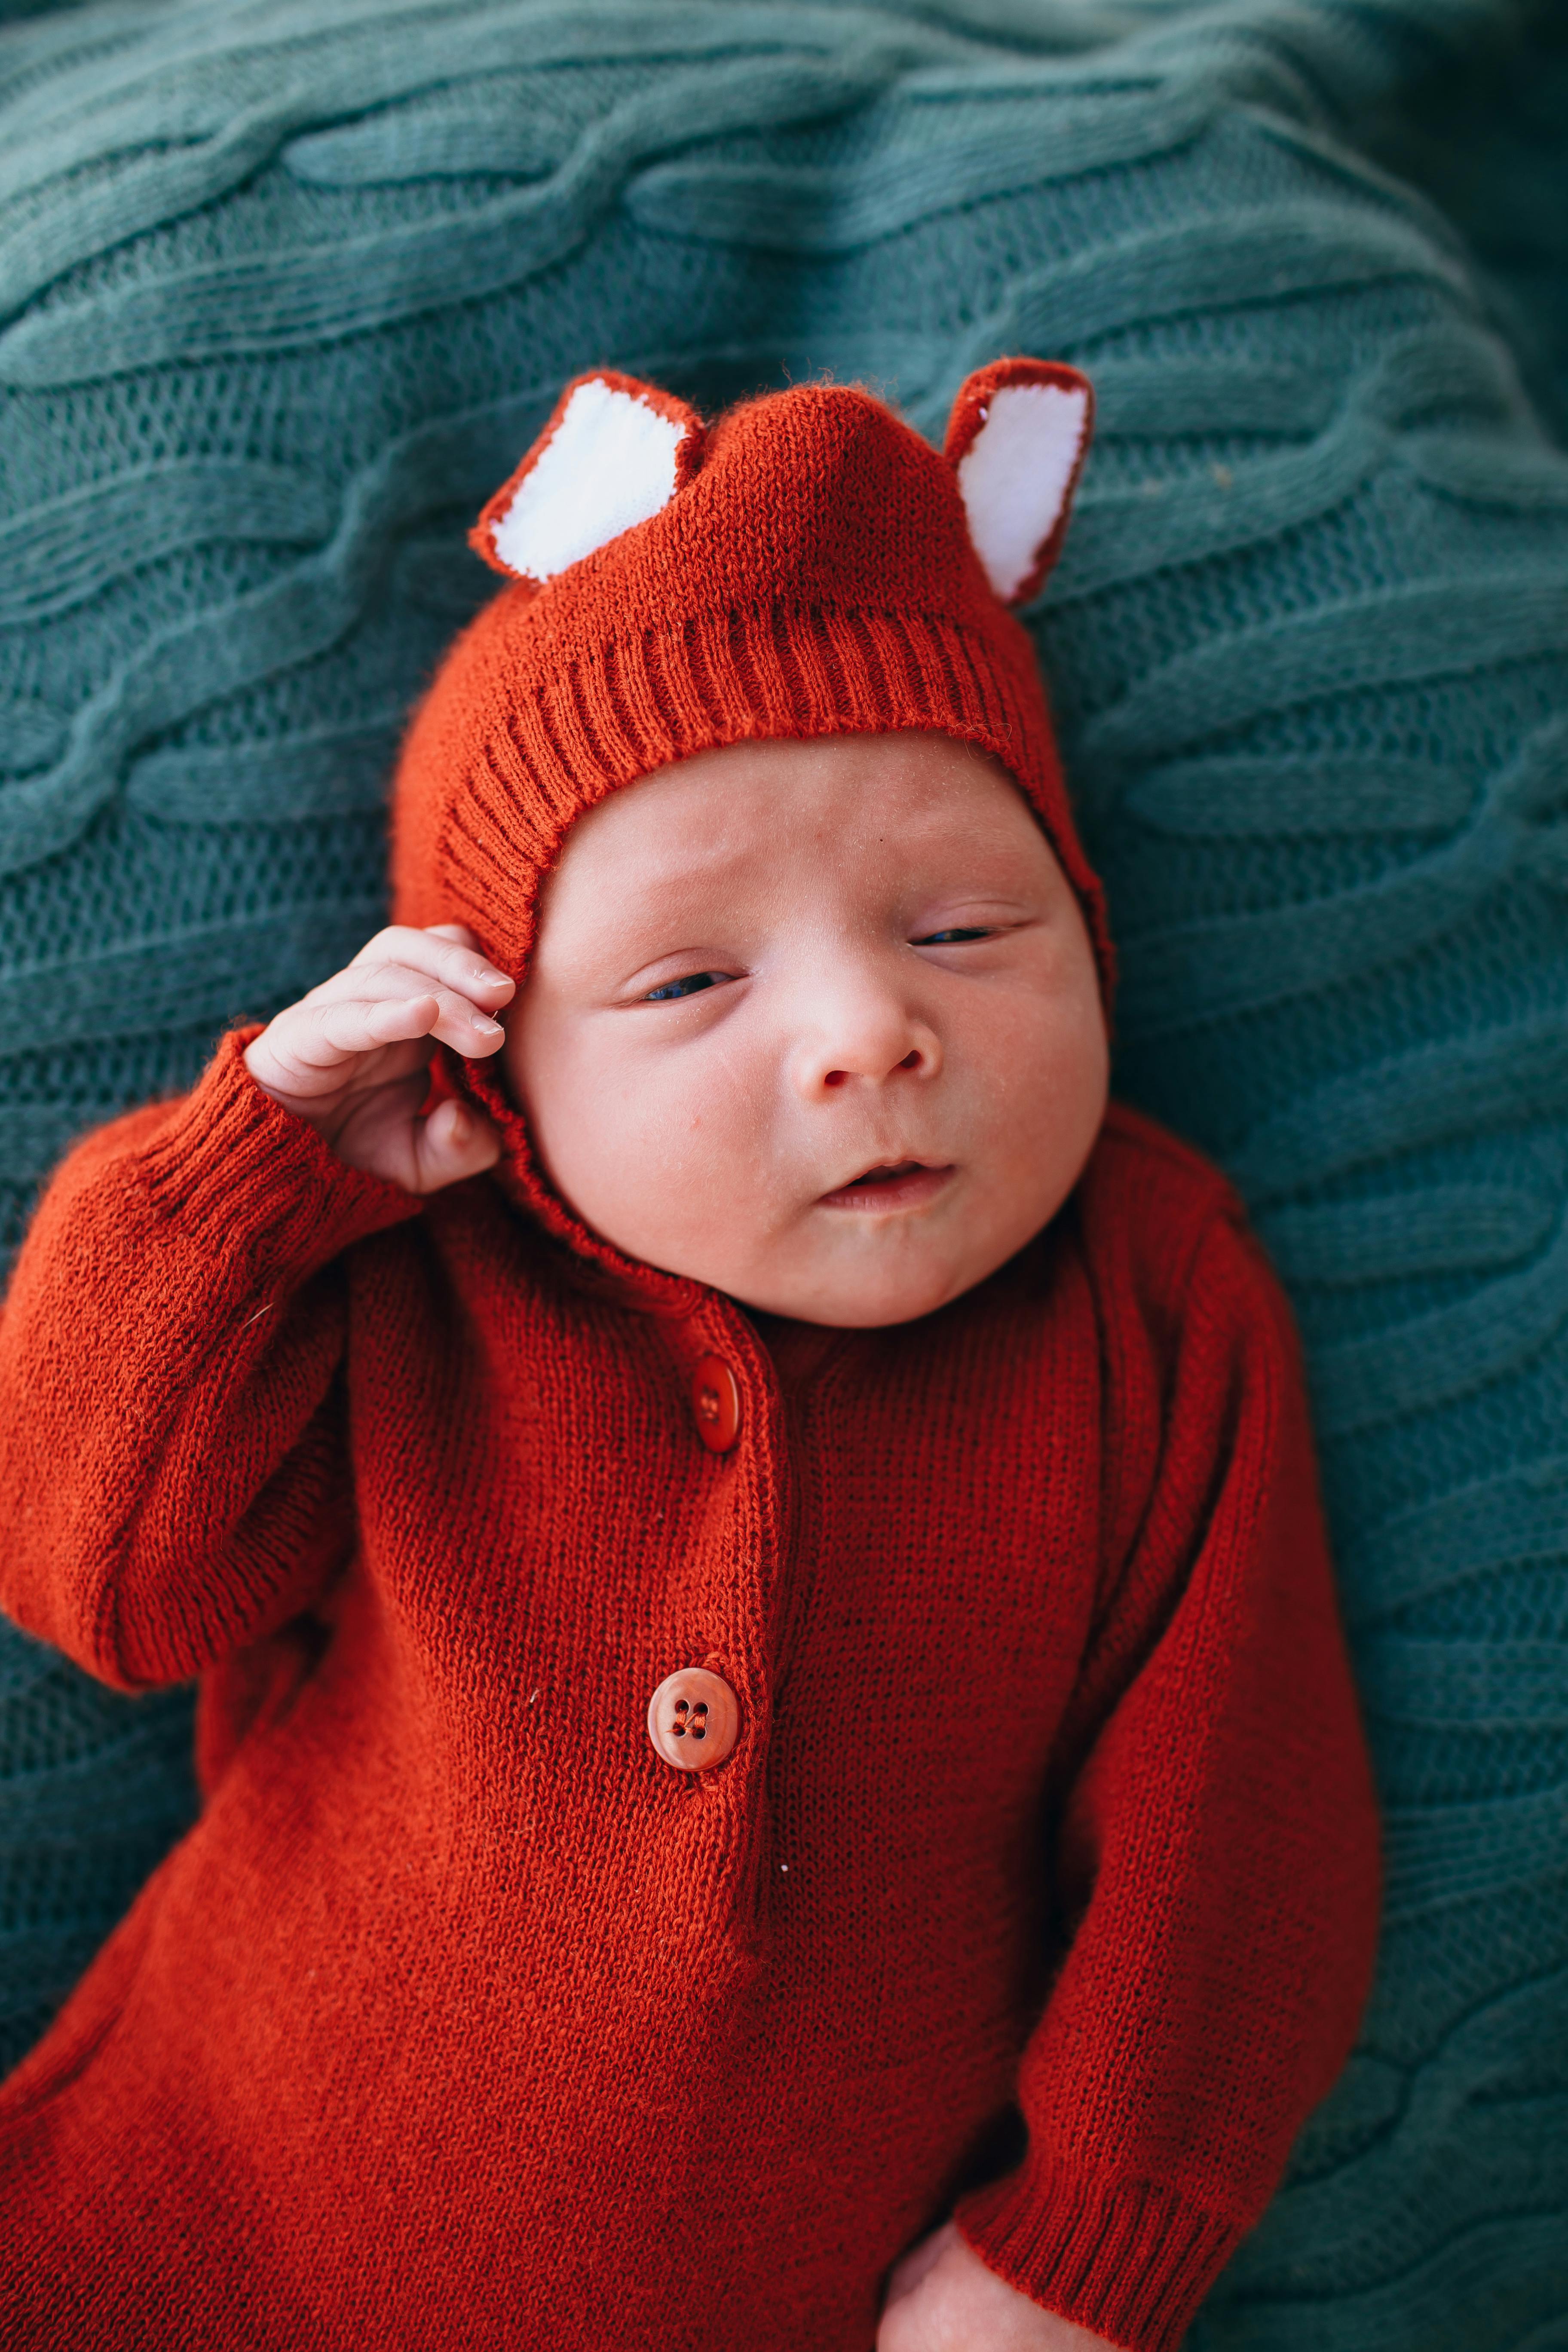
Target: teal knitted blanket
(284,290)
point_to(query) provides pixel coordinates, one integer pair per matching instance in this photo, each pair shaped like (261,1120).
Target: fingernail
(462,1126)
(488,971)
(485,1025)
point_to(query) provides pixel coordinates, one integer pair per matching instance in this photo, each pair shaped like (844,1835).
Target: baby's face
(814,1022)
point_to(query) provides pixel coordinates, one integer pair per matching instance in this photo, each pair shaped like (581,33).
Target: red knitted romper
(1040,1878)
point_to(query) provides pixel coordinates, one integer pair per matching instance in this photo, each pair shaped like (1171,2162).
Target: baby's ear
(613,454)
(1018,438)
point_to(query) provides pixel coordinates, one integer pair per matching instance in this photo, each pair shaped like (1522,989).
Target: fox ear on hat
(1017,439)
(614,452)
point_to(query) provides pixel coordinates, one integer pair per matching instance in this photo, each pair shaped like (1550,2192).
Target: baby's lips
(902,1183)
(884,1168)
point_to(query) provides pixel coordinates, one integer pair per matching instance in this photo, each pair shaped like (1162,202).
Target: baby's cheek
(1075,1063)
(1046,1032)
(1045,1070)
(663,1154)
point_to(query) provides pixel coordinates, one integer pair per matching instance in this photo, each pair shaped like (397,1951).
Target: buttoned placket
(732,1402)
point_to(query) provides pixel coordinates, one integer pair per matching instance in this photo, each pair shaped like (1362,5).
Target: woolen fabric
(459,2016)
(286,291)
(814,576)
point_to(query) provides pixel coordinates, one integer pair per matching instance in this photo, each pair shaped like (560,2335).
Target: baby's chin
(847,1285)
(878,1313)
(849,1267)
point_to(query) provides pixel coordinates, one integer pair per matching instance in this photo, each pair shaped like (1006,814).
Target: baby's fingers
(315,1039)
(382,1132)
(444,954)
(450,1144)
(318,1052)
(359,1025)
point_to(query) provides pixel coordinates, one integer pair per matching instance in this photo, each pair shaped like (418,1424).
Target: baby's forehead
(765,789)
(775,820)
(772,797)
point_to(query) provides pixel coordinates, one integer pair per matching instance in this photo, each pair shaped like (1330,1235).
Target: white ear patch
(612,460)
(1016,477)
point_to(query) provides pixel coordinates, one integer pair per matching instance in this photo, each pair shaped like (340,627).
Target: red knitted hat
(806,565)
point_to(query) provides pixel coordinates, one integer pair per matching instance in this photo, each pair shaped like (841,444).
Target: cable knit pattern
(1049,1787)
(284,300)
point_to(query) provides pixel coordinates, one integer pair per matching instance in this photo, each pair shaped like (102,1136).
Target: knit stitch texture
(816,576)
(284,299)
(1049,1784)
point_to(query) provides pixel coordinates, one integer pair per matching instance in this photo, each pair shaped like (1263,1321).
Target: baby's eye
(687,987)
(947,938)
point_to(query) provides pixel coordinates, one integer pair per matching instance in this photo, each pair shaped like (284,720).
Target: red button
(693,1719)
(715,1404)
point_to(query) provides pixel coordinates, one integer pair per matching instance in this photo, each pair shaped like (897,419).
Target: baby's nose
(913,1060)
(874,1040)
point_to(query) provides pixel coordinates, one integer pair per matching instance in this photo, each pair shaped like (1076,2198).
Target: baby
(779,1761)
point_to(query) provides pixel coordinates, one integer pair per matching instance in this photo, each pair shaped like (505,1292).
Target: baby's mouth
(890,1185)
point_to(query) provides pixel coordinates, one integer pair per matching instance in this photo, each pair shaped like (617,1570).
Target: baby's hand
(941,2298)
(353,1057)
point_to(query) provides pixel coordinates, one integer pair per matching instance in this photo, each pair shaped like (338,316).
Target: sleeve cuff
(240,1172)
(1127,2259)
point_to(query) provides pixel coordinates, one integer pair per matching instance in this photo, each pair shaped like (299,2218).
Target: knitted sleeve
(1217,1851)
(172,1480)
